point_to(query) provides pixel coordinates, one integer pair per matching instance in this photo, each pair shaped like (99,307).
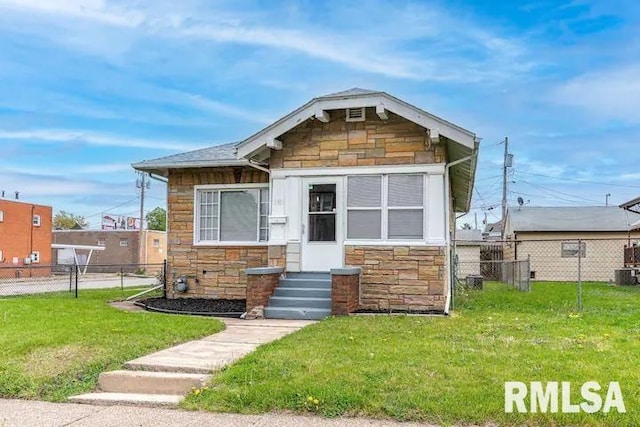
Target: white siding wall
(468,260)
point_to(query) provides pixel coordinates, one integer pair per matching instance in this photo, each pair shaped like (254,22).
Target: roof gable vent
(355,114)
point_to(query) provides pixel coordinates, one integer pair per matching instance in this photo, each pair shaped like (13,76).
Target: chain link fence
(476,262)
(71,279)
(527,261)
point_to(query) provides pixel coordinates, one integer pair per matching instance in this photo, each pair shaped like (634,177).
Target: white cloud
(610,94)
(391,48)
(81,169)
(93,138)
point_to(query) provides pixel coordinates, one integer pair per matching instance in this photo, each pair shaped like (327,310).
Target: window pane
(405,190)
(364,191)
(364,224)
(239,215)
(405,224)
(322,227)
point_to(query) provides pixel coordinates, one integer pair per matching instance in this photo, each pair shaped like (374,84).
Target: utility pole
(475,217)
(606,199)
(505,166)
(141,244)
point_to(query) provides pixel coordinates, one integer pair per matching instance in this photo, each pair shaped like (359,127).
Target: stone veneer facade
(393,277)
(212,271)
(400,277)
(395,141)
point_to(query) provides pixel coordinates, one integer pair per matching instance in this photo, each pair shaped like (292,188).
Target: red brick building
(25,233)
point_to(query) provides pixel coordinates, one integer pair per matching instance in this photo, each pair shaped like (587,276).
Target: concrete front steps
(301,296)
(143,388)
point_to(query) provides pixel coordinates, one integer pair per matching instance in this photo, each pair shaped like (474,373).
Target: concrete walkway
(25,413)
(211,353)
(165,377)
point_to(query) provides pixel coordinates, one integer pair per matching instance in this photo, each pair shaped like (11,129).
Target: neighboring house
(632,251)
(121,248)
(551,235)
(356,178)
(493,231)
(467,250)
(25,234)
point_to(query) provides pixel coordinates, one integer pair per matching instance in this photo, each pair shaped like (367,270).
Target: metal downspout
(447,186)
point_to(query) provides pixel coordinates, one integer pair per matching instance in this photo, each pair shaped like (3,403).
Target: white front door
(321,224)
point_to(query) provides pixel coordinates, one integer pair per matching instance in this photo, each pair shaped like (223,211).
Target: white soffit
(319,107)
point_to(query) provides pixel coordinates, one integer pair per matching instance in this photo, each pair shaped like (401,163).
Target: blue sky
(89,86)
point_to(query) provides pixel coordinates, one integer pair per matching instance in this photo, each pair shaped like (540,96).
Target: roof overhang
(632,205)
(462,174)
(319,108)
(163,169)
(80,247)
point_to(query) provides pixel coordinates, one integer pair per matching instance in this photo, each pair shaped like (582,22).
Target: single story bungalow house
(345,203)
(554,237)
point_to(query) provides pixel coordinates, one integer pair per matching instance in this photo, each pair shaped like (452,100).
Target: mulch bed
(196,306)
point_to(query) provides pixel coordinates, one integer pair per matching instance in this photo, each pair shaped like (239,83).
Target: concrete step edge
(149,382)
(139,366)
(131,399)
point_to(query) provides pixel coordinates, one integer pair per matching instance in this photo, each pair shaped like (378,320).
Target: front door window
(322,212)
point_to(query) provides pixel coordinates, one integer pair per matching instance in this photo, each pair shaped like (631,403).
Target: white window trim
(1,216)
(226,187)
(36,221)
(384,230)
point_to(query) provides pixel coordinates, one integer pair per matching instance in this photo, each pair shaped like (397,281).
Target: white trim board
(431,169)
(381,101)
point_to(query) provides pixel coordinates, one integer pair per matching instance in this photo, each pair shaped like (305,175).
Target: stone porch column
(261,282)
(345,290)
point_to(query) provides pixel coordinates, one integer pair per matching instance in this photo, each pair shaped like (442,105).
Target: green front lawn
(447,370)
(53,346)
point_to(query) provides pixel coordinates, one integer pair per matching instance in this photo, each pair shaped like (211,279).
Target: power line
(112,208)
(576,199)
(579,180)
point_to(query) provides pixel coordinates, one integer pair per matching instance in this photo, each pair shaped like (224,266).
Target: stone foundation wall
(400,277)
(212,271)
(277,256)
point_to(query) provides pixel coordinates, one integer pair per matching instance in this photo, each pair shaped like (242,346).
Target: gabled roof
(351,92)
(632,205)
(570,218)
(460,143)
(216,156)
(356,98)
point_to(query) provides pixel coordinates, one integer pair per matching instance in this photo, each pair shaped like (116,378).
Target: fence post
(121,278)
(70,279)
(579,275)
(164,279)
(528,272)
(77,270)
